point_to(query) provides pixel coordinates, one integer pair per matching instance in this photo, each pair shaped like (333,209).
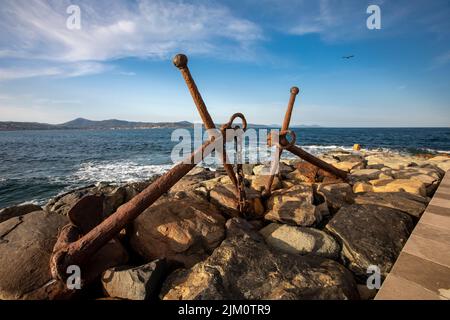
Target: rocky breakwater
(314,238)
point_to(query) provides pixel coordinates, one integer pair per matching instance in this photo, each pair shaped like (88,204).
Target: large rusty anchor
(181,62)
(79,241)
(289,144)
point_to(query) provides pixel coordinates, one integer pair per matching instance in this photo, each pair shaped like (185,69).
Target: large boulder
(193,179)
(113,197)
(365,174)
(183,230)
(259,182)
(26,243)
(412,204)
(224,197)
(134,283)
(300,240)
(336,195)
(245,267)
(15,211)
(396,185)
(294,206)
(305,172)
(370,235)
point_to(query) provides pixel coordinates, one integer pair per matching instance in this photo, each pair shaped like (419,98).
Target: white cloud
(51,70)
(111,30)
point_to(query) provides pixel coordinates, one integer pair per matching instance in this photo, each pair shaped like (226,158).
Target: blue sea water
(37,165)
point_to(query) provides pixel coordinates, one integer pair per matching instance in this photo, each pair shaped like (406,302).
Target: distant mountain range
(81,123)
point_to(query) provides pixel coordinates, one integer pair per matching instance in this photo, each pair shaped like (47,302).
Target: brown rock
(412,204)
(15,211)
(293,206)
(244,267)
(181,230)
(370,235)
(336,195)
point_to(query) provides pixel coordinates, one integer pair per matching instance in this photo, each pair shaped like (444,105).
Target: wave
(117,172)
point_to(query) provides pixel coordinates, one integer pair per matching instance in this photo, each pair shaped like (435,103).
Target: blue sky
(244,55)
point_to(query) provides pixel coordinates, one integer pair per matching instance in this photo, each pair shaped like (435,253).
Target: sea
(38,165)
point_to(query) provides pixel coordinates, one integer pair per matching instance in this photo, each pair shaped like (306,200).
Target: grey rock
(410,203)
(336,195)
(245,267)
(370,235)
(134,283)
(294,206)
(301,240)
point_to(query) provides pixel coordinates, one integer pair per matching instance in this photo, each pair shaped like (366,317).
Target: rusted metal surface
(242,203)
(181,62)
(289,145)
(79,241)
(285,126)
(74,248)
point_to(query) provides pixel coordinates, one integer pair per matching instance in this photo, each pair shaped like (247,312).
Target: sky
(244,55)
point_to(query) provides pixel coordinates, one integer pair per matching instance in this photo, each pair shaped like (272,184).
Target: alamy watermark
(374,20)
(73,22)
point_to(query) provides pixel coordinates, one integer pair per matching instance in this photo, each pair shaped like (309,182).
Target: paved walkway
(422,271)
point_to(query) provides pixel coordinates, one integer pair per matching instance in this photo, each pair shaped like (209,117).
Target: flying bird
(347,57)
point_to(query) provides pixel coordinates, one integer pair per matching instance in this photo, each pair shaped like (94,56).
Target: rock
(362,187)
(194,180)
(247,168)
(113,197)
(443,162)
(365,293)
(264,169)
(134,283)
(305,172)
(365,174)
(15,211)
(403,201)
(245,267)
(370,235)
(293,206)
(336,195)
(348,165)
(224,197)
(300,240)
(426,175)
(63,203)
(181,230)
(392,161)
(396,185)
(134,188)
(355,158)
(286,184)
(26,243)
(259,182)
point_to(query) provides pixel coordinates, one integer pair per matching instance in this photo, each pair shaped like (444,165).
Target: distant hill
(81,123)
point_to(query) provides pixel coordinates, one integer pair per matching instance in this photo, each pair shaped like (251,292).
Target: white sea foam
(119,171)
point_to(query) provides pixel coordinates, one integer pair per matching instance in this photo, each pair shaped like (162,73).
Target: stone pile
(314,238)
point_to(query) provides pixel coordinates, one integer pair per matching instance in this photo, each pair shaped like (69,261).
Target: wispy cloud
(112,30)
(52,70)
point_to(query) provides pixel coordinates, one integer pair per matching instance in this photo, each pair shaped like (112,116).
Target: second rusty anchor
(284,143)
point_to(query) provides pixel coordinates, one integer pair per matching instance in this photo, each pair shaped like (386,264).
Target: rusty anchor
(87,233)
(181,62)
(285,143)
